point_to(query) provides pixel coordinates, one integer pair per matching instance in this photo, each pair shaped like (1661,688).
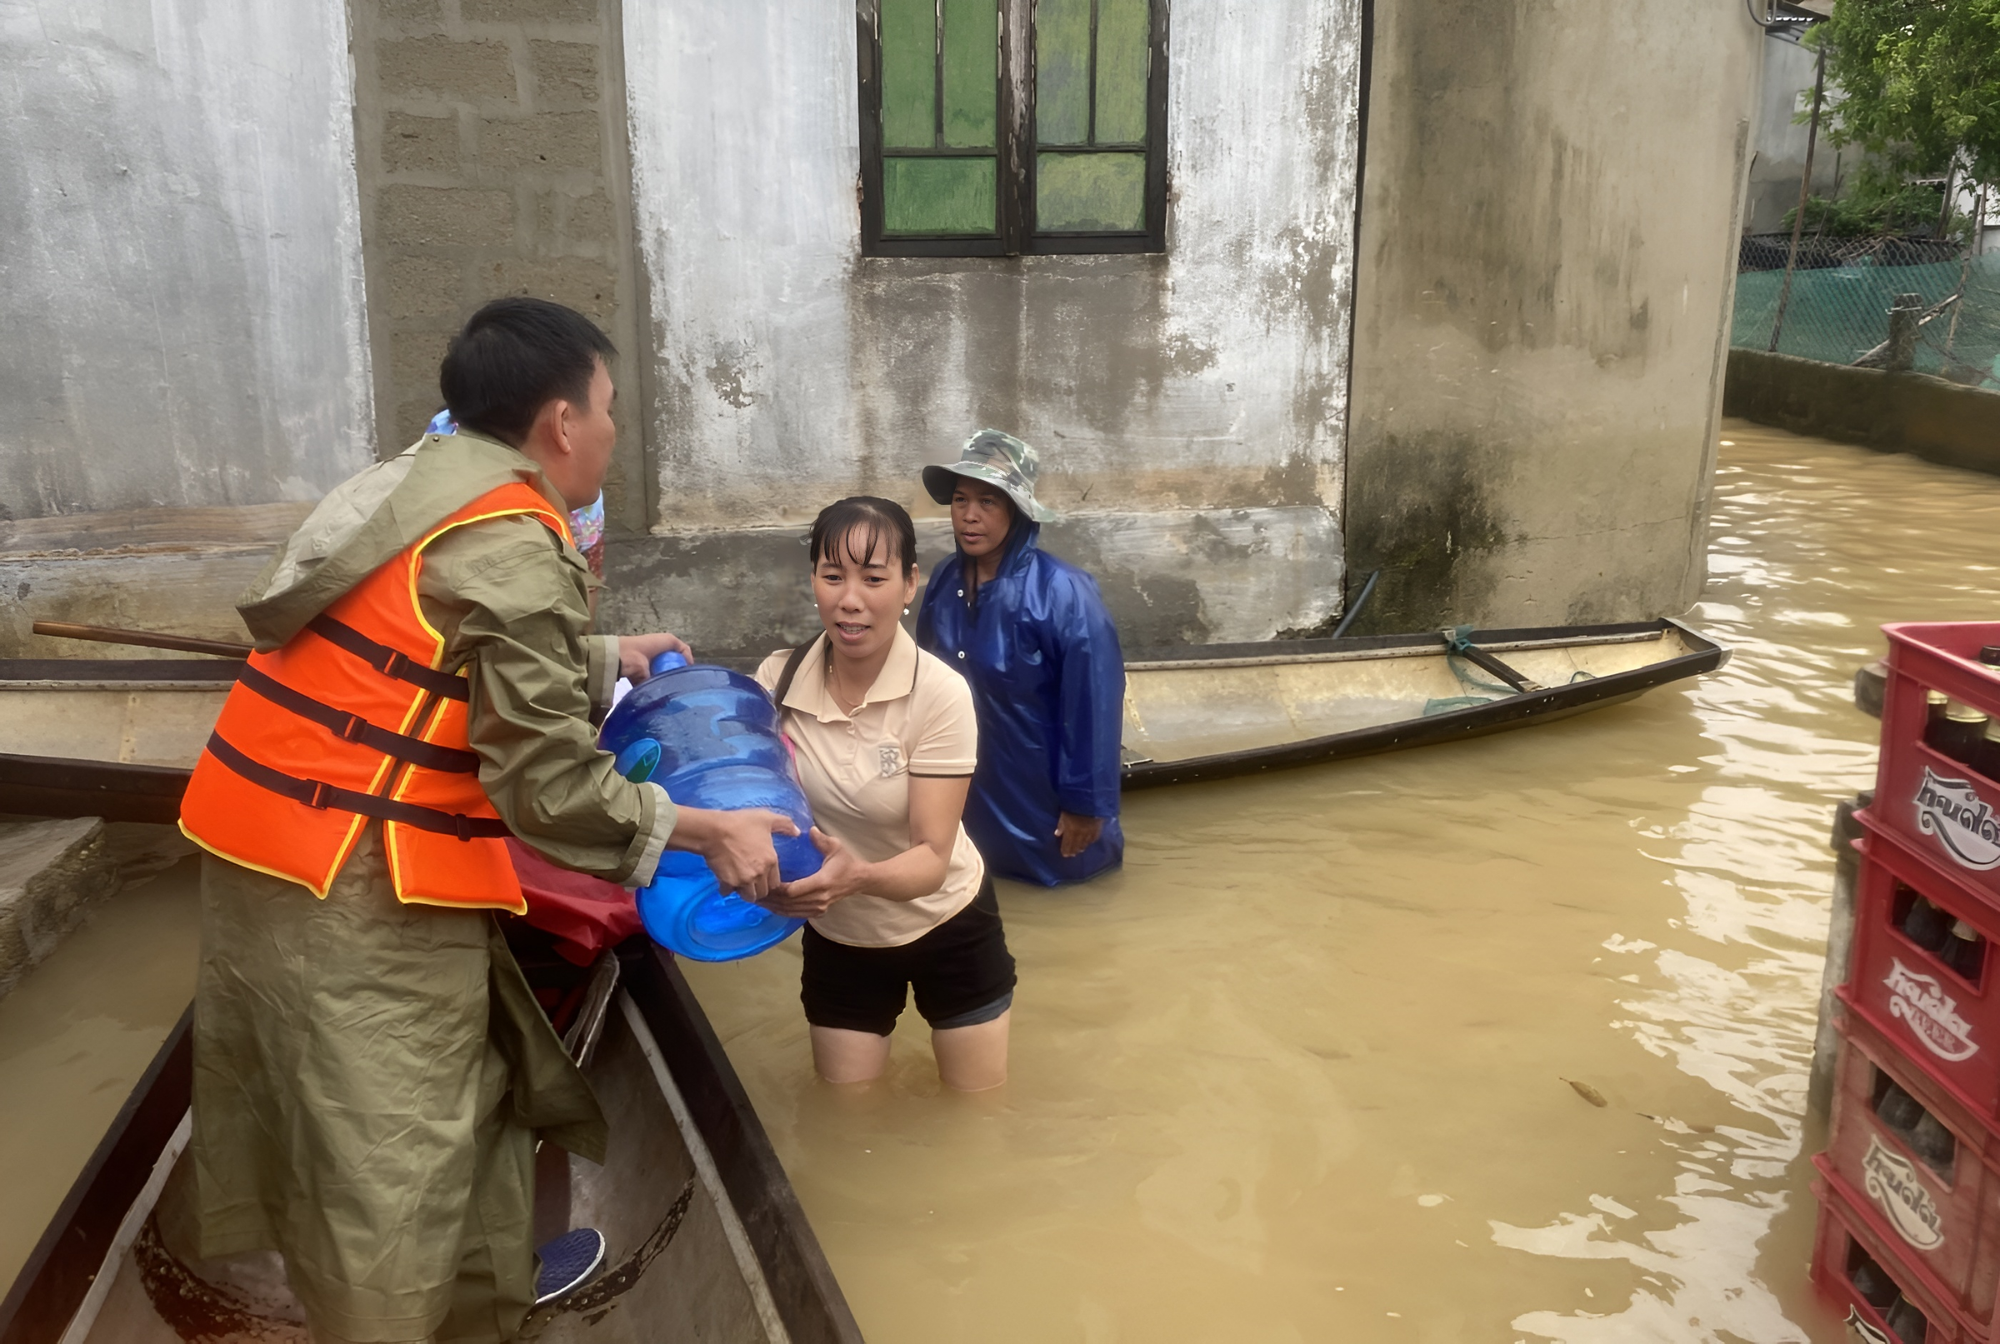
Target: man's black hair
(514,357)
(858,525)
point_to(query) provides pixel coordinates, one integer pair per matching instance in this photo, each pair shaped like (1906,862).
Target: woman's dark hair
(860,523)
(514,357)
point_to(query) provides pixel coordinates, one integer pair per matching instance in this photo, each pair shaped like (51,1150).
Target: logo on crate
(1932,1014)
(1893,1183)
(1963,822)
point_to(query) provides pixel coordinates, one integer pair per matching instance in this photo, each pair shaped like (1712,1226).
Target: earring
(906,611)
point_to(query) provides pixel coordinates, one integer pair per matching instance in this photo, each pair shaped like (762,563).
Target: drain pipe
(1354,607)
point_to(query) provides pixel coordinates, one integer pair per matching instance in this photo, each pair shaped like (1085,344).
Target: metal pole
(1805,191)
(1965,271)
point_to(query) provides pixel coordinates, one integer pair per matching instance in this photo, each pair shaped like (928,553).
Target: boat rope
(1458,645)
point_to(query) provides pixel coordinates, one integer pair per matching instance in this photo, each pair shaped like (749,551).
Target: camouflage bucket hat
(1000,460)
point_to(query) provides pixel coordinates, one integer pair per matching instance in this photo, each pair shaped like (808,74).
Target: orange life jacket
(351,720)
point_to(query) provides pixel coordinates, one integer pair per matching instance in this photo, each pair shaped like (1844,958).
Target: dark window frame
(1017,148)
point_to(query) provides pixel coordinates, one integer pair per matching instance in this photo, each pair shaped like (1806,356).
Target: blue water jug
(710,738)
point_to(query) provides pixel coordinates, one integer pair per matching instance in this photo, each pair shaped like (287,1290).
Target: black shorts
(961,970)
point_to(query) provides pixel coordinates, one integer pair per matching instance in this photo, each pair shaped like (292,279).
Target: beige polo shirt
(915,720)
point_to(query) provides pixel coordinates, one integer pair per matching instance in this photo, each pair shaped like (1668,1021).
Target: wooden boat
(105,738)
(116,739)
(707,1240)
(1218,710)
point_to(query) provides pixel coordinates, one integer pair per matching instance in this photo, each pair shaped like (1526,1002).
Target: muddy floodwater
(74,1037)
(1322,1062)
(1303,1070)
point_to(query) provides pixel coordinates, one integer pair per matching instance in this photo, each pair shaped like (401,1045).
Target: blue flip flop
(568,1262)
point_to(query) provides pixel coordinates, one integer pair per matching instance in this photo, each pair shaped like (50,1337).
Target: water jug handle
(667,662)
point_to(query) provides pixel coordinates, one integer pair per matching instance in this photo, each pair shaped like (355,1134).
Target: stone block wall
(490,150)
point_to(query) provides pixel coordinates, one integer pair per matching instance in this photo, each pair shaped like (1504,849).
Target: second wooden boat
(111,738)
(1218,710)
(116,739)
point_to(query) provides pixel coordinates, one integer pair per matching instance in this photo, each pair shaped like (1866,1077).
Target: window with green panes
(992,127)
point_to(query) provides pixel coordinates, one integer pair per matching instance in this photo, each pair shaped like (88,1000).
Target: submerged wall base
(1896,412)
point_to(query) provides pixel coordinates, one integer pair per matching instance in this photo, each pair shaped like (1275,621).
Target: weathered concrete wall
(1195,398)
(181,314)
(176,570)
(1169,578)
(1895,412)
(492,161)
(1548,239)
(1779,146)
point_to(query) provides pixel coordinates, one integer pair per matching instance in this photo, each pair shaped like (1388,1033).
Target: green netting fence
(1840,313)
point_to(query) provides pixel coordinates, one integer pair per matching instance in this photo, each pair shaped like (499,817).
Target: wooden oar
(144,639)
(1479,657)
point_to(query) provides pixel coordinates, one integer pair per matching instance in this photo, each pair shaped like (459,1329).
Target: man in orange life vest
(370,1067)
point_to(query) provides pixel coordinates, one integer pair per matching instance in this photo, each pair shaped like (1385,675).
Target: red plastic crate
(1947,1024)
(1844,1228)
(1942,807)
(1947,1219)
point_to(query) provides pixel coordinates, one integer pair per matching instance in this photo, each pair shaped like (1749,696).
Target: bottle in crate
(1885,1303)
(1939,779)
(1919,971)
(1958,732)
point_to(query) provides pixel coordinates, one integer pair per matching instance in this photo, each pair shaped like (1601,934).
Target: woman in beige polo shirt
(886,742)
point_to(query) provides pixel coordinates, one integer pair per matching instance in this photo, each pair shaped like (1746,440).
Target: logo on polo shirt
(892,759)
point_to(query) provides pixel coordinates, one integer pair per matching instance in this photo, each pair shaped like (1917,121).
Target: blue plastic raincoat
(1048,684)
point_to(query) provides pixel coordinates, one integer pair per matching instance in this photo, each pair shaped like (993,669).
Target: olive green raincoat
(369,1076)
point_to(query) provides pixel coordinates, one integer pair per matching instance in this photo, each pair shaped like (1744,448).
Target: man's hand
(1077,833)
(636,653)
(737,846)
(840,875)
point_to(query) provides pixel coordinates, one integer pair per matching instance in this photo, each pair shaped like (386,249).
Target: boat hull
(1226,711)
(117,739)
(707,1239)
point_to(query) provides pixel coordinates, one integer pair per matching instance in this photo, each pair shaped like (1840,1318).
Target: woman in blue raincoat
(1031,634)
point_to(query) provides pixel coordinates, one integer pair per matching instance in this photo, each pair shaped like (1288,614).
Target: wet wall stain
(1445,502)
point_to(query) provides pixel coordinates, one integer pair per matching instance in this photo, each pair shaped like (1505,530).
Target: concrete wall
(1895,412)
(492,161)
(1189,407)
(181,314)
(1547,248)
(1779,145)
(1538,315)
